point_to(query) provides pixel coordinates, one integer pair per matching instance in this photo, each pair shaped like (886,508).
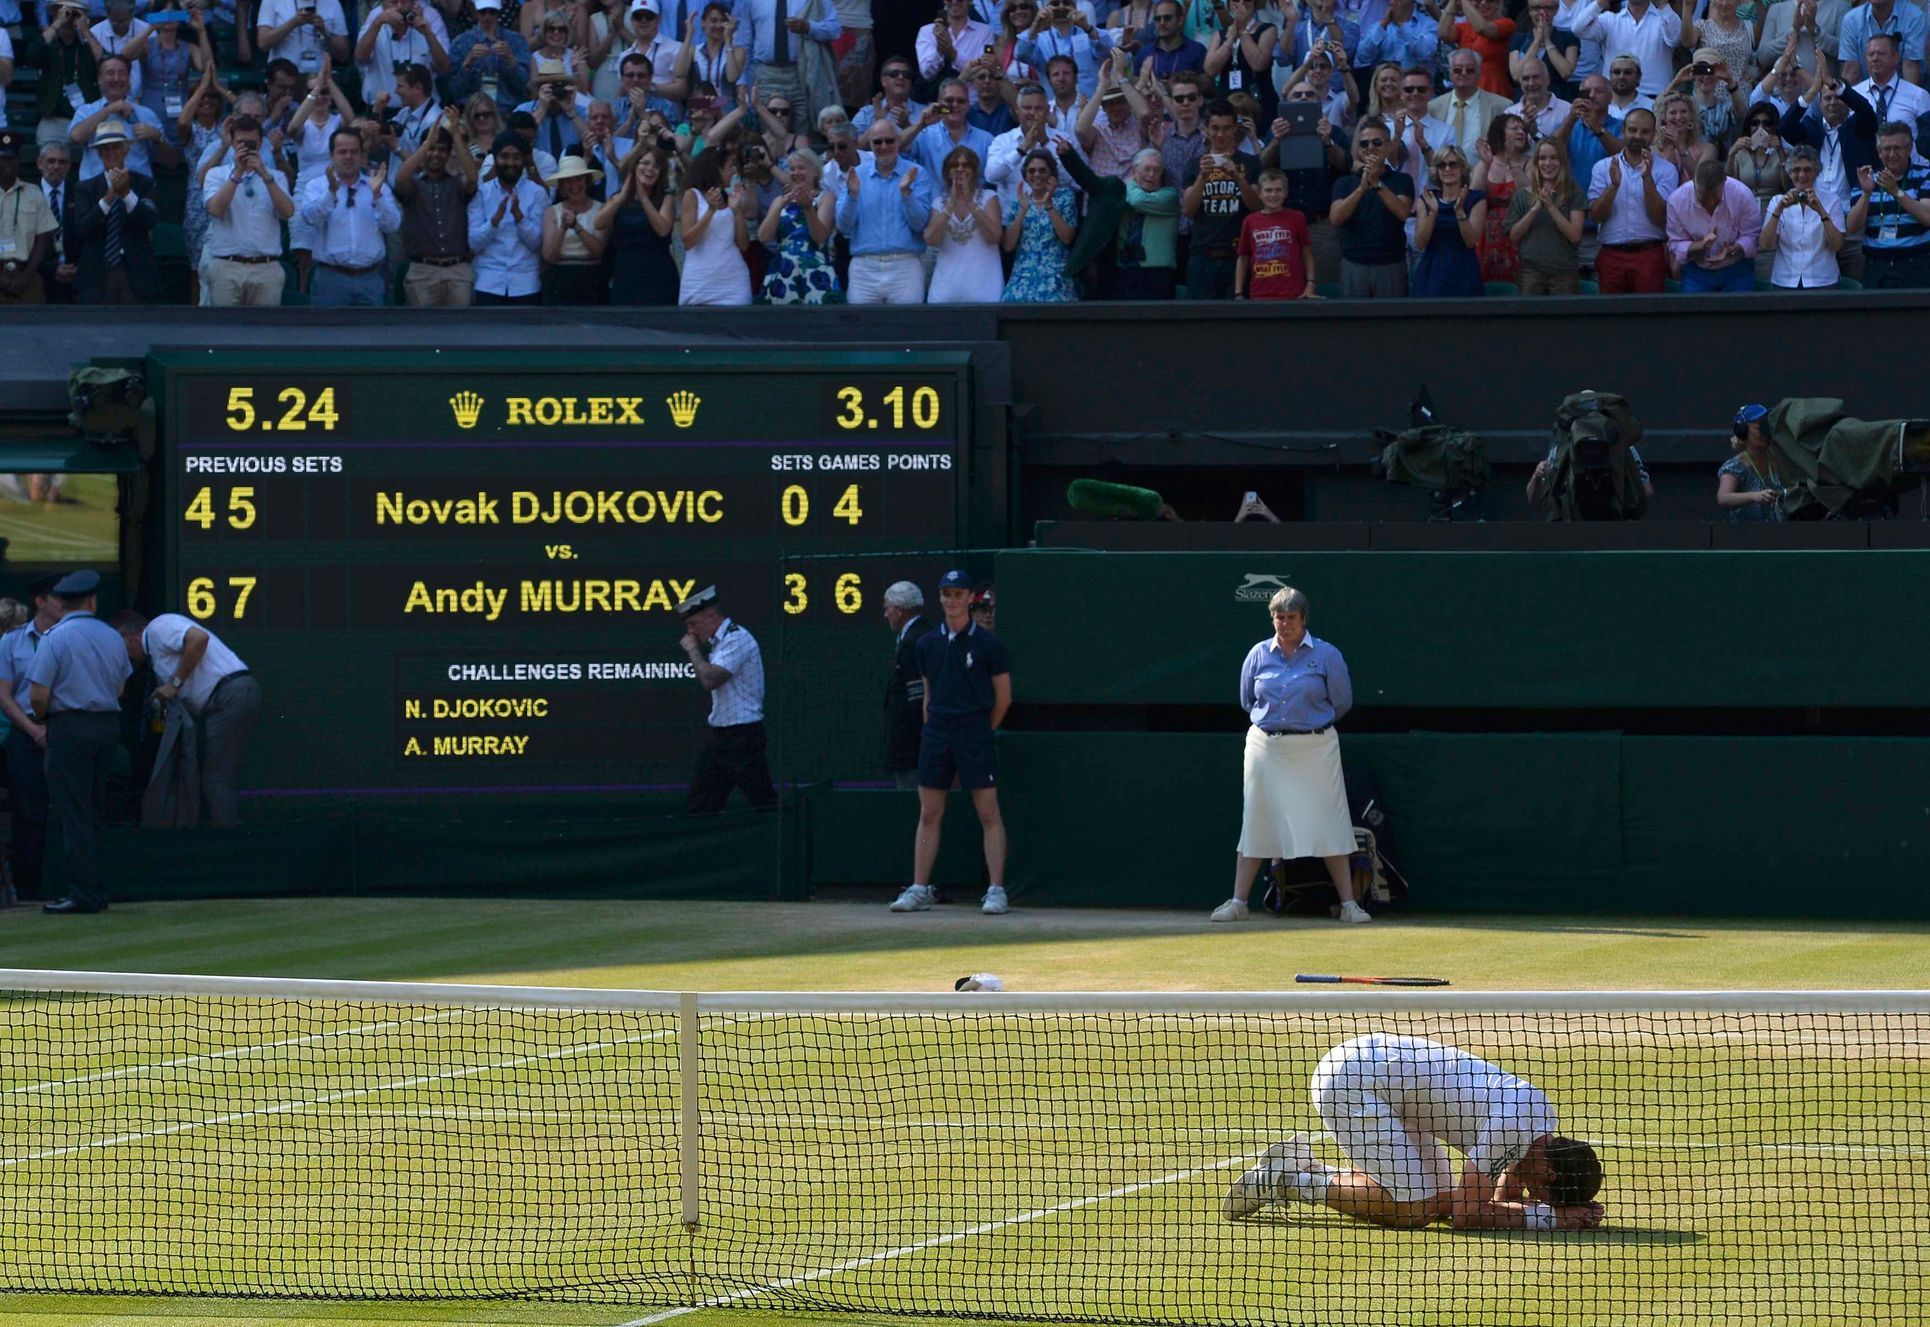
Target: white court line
(307,1103)
(234,1052)
(937,1241)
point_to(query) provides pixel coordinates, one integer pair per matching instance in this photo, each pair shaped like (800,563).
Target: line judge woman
(1294,686)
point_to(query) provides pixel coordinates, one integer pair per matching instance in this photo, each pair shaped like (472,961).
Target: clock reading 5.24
(291,410)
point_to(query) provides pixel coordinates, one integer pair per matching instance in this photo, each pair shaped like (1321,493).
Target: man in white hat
(401,32)
(730,667)
(489,58)
(114,220)
(558,108)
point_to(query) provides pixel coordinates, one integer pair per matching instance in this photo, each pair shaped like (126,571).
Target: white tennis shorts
(1402,1156)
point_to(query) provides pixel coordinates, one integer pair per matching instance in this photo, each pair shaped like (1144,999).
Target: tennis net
(994,1156)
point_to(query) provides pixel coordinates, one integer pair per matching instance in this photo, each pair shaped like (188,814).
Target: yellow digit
(201,509)
(241,511)
(201,597)
(848,506)
(245,584)
(798,602)
(924,407)
(794,505)
(853,415)
(849,598)
(291,418)
(323,411)
(895,398)
(241,410)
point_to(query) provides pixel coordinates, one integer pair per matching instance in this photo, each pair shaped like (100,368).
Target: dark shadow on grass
(1619,1235)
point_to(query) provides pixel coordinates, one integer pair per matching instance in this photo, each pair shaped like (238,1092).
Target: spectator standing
(1410,39)
(1816,24)
(69,74)
(572,247)
(194,665)
(506,228)
(398,33)
(418,112)
(709,54)
(639,218)
(714,237)
(435,217)
(147,141)
(1449,221)
(1294,688)
(800,222)
(1418,133)
(1062,32)
(116,35)
(1502,168)
(1679,138)
(1557,50)
(1726,39)
(1170,50)
(1841,126)
(246,206)
(904,688)
(941,130)
(1545,219)
(558,108)
(893,102)
(1033,131)
(1902,20)
(1112,127)
(1802,230)
(1589,132)
(28,229)
(968,691)
(1889,211)
(1370,211)
(303,32)
(1218,192)
(1628,198)
(167,69)
(1480,26)
(1894,98)
(990,111)
(27,740)
(730,667)
(114,218)
(350,211)
(1466,107)
(1625,86)
(883,209)
(857,53)
(1542,112)
(57,270)
(1713,222)
(1757,160)
(311,128)
(789,45)
(1642,28)
(1015,19)
(1750,485)
(658,45)
(949,45)
(1239,57)
(1320,28)
(75,683)
(489,59)
(1276,249)
(1039,230)
(1130,235)
(1312,188)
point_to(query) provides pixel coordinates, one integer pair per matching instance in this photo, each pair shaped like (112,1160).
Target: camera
(1702,68)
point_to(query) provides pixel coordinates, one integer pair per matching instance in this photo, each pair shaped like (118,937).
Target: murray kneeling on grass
(1396,1105)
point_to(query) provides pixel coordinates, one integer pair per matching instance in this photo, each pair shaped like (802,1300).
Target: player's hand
(1582,1216)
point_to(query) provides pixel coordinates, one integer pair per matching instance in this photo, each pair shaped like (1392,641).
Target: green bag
(1435,456)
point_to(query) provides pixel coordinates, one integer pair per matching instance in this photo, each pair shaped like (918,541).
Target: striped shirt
(1890,228)
(741,699)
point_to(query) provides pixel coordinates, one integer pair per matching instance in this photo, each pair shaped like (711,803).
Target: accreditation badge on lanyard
(1887,232)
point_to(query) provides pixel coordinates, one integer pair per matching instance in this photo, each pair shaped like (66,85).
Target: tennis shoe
(996,904)
(1351,911)
(1260,1185)
(916,898)
(1233,910)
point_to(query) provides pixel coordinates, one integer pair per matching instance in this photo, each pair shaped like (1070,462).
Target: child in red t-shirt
(1275,256)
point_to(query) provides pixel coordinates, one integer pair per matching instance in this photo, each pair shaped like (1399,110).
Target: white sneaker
(1261,1184)
(995,902)
(1351,911)
(1233,910)
(916,898)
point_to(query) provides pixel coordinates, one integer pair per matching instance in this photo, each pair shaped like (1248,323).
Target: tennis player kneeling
(1396,1105)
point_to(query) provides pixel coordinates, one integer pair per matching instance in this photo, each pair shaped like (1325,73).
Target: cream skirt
(1296,800)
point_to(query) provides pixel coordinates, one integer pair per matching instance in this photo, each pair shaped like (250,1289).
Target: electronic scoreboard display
(459,571)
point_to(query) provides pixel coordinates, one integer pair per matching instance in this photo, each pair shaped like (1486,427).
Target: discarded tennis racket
(1307,978)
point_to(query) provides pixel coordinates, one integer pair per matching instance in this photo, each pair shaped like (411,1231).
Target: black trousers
(732,757)
(27,799)
(80,752)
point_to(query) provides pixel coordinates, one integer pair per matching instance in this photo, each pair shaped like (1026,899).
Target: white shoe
(1261,1184)
(916,898)
(995,903)
(1233,910)
(1351,911)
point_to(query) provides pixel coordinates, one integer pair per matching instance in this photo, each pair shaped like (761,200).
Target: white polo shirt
(167,635)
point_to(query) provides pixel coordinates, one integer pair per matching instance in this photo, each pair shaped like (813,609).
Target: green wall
(1571,823)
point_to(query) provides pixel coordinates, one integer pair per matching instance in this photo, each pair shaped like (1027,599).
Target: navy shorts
(957,748)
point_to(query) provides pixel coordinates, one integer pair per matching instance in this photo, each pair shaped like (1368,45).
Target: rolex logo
(683,408)
(468,407)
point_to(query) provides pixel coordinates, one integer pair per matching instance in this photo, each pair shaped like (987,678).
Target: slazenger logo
(1258,588)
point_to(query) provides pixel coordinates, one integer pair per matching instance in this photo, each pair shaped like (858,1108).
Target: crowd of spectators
(449,152)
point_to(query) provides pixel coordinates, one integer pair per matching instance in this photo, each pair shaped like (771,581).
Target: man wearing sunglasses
(893,104)
(1370,211)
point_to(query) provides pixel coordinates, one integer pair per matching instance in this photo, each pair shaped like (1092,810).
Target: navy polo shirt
(958,670)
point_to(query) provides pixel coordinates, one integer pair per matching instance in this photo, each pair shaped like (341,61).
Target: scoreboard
(459,571)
